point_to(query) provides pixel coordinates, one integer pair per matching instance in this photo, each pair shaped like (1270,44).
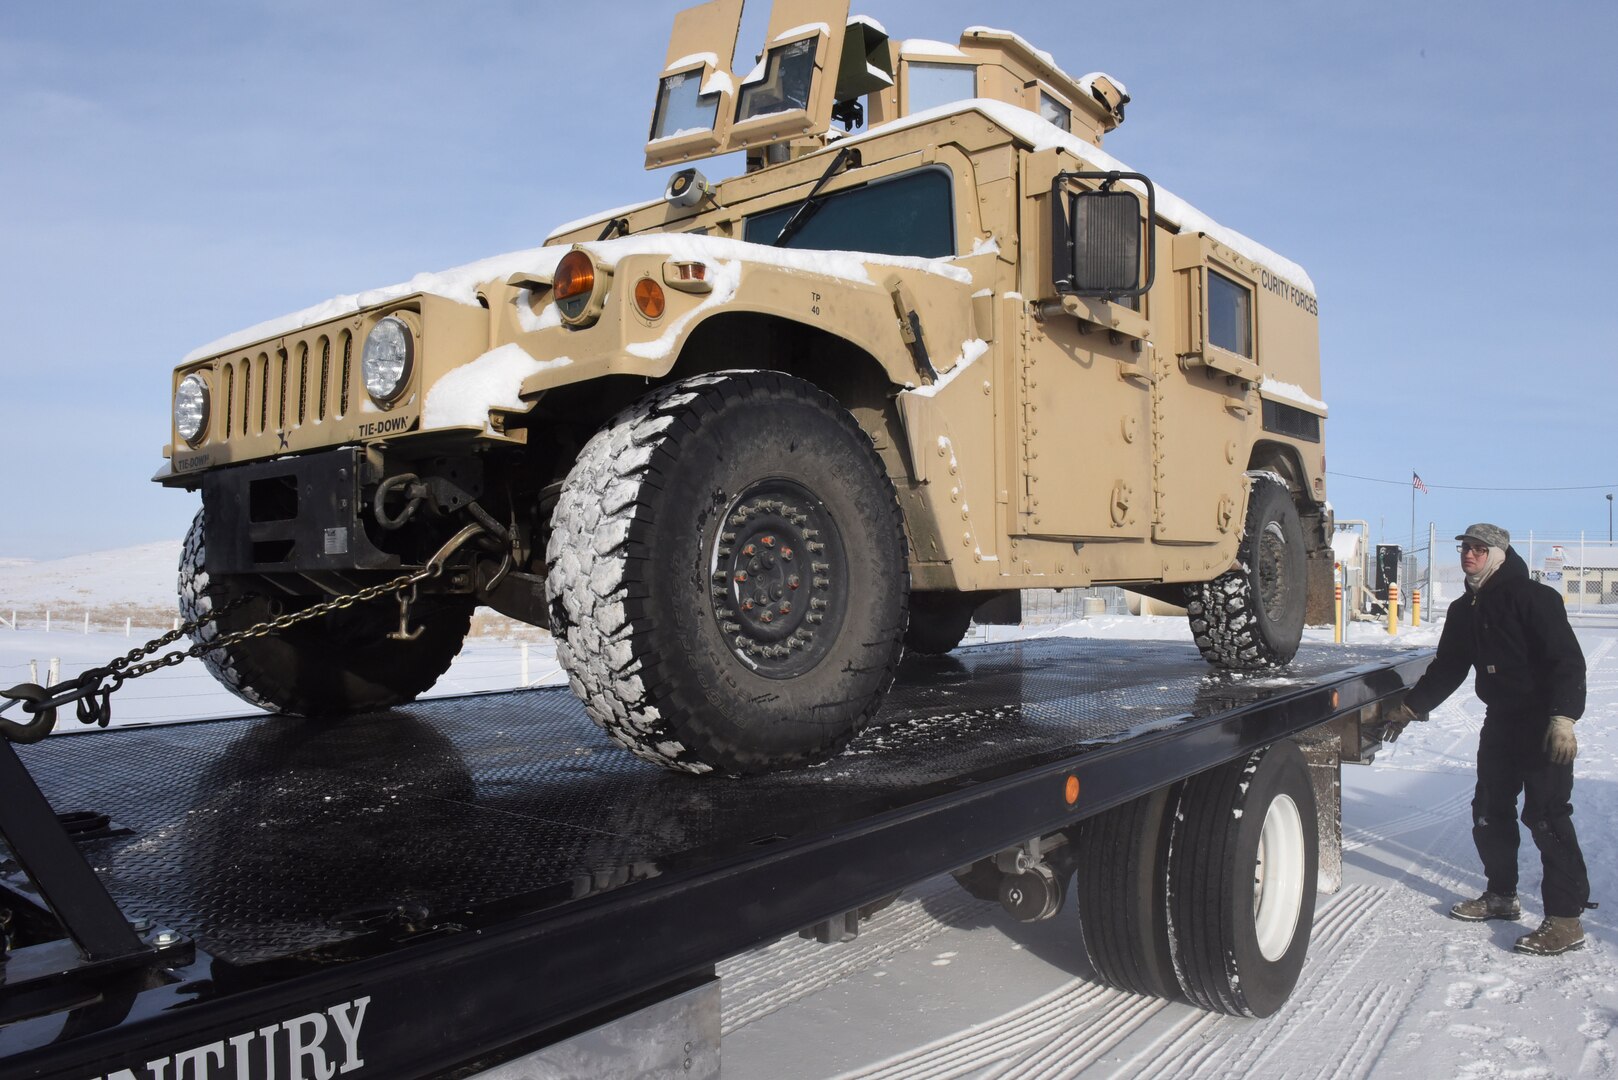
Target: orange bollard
(1415,608)
(1337,615)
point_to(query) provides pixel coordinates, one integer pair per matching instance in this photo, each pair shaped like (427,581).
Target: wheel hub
(1278,877)
(779,579)
(1272,578)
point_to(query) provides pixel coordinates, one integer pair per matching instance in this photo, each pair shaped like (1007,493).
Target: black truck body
(434,889)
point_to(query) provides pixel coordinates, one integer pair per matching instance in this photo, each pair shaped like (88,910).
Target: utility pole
(1609,517)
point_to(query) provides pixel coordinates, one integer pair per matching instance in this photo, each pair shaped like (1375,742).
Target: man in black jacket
(1514,633)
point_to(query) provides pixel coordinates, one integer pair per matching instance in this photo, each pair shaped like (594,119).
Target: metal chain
(102,682)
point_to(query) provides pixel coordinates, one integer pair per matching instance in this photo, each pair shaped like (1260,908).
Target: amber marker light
(575,276)
(649,298)
(1071,791)
(1334,699)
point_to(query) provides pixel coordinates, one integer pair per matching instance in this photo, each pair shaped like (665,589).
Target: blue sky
(171,172)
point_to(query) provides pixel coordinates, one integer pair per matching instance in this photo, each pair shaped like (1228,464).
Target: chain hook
(404,633)
(29,696)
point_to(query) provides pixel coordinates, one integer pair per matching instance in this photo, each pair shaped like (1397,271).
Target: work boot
(1555,935)
(1488,906)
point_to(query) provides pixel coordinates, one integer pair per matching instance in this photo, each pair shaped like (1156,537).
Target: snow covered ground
(942,985)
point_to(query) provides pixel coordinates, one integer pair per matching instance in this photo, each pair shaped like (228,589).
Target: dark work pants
(1512,762)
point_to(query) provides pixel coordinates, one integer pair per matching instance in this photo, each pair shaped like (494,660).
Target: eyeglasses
(1476,549)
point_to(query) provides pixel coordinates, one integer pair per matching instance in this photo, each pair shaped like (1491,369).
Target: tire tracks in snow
(758,983)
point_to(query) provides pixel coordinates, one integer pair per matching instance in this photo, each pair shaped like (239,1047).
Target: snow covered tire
(1252,615)
(340,663)
(727,575)
(1243,864)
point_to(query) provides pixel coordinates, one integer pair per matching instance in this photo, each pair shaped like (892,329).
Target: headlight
(389,351)
(191,408)
(579,287)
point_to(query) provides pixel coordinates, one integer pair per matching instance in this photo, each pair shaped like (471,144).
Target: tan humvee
(739,445)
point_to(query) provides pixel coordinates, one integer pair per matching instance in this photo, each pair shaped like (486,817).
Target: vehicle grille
(283,389)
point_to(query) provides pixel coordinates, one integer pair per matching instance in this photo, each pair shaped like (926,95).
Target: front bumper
(300,514)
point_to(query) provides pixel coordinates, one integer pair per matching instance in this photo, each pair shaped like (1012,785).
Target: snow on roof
(460,283)
(1087,84)
(1041,134)
(1045,58)
(868,21)
(924,47)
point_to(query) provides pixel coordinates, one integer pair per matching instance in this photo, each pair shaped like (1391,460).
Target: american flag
(1415,482)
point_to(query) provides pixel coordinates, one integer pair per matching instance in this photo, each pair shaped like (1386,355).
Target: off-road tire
(682,534)
(1251,616)
(336,664)
(1122,892)
(1241,883)
(938,621)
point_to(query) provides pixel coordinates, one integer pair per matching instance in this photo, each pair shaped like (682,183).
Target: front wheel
(342,662)
(1242,870)
(1252,615)
(727,575)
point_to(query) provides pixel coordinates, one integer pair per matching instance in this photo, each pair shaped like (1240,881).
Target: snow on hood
(464,397)
(460,283)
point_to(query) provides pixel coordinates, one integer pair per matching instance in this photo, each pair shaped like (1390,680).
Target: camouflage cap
(1484,533)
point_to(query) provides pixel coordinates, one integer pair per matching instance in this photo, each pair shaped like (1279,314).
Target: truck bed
(320,855)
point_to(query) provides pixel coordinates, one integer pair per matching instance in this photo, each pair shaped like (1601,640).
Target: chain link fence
(1581,568)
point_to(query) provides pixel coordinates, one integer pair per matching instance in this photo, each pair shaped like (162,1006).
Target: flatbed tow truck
(485,884)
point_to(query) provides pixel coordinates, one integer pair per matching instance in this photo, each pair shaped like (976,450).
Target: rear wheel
(341,662)
(727,575)
(1122,858)
(1243,862)
(938,621)
(1252,615)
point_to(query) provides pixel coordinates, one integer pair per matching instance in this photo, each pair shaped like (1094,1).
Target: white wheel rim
(1278,873)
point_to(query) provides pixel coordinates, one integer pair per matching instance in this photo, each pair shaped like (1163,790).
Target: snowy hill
(110,585)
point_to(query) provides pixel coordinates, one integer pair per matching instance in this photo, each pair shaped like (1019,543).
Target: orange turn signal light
(649,298)
(575,276)
(1071,791)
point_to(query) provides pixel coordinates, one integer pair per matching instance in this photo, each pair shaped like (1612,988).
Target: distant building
(1583,577)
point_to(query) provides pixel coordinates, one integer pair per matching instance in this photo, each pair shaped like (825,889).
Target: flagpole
(1413,475)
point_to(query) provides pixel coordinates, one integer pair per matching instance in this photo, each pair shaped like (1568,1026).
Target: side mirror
(1096,237)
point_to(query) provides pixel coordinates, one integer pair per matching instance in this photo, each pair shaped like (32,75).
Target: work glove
(1397,719)
(1560,745)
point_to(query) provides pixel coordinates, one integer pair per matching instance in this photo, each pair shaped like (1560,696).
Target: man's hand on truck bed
(1397,719)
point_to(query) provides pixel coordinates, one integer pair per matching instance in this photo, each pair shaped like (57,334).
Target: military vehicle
(740,446)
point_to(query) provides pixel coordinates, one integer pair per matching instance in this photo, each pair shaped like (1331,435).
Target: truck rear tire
(1122,858)
(1251,616)
(339,663)
(1243,862)
(727,575)
(939,620)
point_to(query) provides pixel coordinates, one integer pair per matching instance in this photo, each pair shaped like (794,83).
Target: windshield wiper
(848,155)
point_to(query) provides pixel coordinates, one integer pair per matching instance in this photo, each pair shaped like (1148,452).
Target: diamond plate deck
(271,838)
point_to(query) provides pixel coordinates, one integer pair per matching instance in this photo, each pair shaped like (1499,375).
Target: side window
(1230,315)
(682,108)
(1055,112)
(784,85)
(912,214)
(931,85)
